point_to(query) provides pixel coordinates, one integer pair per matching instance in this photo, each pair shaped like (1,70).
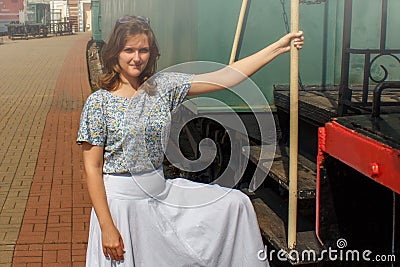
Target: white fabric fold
(222,233)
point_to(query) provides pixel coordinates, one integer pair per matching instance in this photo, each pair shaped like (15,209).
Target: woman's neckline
(138,92)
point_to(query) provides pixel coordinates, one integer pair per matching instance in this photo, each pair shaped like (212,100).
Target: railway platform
(44,204)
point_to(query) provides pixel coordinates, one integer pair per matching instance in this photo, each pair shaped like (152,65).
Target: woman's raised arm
(238,71)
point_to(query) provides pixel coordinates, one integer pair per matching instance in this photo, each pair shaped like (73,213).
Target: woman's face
(134,56)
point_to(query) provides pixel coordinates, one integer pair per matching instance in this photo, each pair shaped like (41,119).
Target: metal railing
(370,57)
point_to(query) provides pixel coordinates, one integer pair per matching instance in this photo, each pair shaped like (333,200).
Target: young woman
(133,222)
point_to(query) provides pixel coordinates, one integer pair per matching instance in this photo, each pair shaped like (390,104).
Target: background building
(46,11)
(9,11)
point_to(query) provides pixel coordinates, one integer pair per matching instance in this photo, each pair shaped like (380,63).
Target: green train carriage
(349,78)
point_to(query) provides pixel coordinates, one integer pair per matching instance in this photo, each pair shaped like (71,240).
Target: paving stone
(43,89)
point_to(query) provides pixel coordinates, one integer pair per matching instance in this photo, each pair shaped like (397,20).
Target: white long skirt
(176,223)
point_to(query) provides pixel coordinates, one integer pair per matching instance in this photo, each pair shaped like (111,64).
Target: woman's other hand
(113,245)
(298,39)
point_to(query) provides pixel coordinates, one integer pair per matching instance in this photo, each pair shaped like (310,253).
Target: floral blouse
(131,130)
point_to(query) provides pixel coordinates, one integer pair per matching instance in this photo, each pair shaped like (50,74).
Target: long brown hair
(124,28)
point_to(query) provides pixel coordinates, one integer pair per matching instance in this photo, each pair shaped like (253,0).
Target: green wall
(173,21)
(190,30)
(264,25)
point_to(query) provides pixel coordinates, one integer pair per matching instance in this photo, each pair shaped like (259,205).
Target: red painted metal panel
(373,159)
(320,160)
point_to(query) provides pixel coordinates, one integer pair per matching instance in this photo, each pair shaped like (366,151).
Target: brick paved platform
(44,204)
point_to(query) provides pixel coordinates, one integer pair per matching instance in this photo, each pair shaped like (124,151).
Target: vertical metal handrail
(238,31)
(294,125)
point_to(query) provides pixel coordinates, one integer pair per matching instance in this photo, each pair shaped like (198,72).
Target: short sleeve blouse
(134,124)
